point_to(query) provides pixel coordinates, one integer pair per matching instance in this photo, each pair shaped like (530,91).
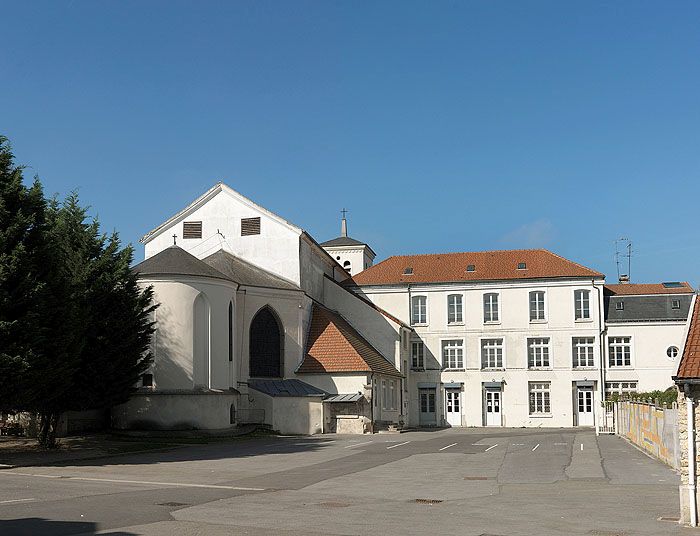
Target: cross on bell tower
(344,224)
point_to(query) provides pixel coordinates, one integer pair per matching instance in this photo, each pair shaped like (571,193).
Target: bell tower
(353,255)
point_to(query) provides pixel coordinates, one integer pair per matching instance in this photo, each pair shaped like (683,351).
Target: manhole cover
(476,478)
(428,501)
(334,504)
(172,504)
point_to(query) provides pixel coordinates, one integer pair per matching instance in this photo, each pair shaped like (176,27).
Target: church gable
(224,219)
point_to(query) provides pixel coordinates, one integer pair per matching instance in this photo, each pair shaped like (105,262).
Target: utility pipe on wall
(692,504)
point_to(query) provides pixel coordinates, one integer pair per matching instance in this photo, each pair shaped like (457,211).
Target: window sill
(419,325)
(541,415)
(543,321)
(454,370)
(619,367)
(489,369)
(592,367)
(455,323)
(417,369)
(492,322)
(539,368)
(583,320)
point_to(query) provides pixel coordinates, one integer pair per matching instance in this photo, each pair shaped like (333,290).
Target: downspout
(692,504)
(371,403)
(602,330)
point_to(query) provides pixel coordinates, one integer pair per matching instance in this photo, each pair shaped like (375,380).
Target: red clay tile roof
(488,266)
(689,366)
(640,289)
(335,346)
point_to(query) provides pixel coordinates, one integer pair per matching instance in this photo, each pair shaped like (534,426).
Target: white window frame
(458,309)
(502,345)
(385,395)
(575,355)
(586,292)
(613,343)
(458,360)
(539,399)
(498,307)
(415,363)
(543,345)
(621,387)
(425,310)
(544,311)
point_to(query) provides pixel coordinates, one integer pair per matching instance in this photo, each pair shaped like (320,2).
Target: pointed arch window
(266,345)
(230,331)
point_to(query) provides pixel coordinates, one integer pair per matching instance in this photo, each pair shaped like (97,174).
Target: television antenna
(623,249)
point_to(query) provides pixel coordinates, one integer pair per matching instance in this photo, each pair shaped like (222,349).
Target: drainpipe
(692,504)
(602,330)
(371,402)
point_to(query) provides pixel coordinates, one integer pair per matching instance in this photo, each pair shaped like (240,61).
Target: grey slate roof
(176,261)
(291,387)
(343,241)
(647,308)
(245,273)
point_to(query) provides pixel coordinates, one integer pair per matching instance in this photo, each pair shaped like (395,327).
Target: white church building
(258,322)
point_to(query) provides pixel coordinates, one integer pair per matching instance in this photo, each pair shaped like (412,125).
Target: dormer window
(675,304)
(620,306)
(471,268)
(408,271)
(522,266)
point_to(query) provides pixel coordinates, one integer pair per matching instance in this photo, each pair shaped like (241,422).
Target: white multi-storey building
(259,322)
(501,338)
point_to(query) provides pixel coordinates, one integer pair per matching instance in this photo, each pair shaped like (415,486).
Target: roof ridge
(463,253)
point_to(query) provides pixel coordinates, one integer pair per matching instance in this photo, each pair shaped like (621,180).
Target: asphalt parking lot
(498,482)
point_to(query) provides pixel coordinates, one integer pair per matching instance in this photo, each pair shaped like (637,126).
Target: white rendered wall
(514,328)
(337,384)
(289,307)
(276,248)
(651,367)
(359,257)
(380,331)
(175,340)
(185,411)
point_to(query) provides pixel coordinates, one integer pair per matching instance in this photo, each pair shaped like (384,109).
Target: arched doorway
(266,344)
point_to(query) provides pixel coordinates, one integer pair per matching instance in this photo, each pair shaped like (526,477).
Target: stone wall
(694,392)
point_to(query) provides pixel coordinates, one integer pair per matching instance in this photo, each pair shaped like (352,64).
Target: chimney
(624,279)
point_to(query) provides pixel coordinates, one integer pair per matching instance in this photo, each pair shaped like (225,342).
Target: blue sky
(441,126)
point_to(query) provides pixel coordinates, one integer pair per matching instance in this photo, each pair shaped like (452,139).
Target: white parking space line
(16,501)
(561,444)
(535,447)
(491,447)
(358,444)
(397,445)
(517,444)
(142,482)
(581,446)
(448,446)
